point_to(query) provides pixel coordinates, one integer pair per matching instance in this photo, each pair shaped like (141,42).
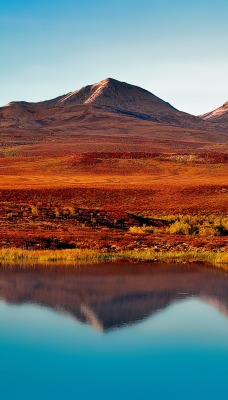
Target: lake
(115,331)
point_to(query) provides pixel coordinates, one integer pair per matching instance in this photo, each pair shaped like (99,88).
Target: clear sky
(177,49)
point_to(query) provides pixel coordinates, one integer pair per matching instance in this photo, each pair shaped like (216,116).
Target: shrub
(34,211)
(57,213)
(179,227)
(139,230)
(208,230)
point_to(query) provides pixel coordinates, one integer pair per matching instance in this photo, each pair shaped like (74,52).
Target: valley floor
(64,197)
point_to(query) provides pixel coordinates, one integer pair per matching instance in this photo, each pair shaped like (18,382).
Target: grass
(92,256)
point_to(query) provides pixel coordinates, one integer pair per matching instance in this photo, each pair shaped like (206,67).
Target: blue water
(178,351)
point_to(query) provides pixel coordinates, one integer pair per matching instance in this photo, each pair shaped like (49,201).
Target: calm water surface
(114,332)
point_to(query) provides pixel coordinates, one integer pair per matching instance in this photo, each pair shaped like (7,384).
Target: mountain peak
(113,94)
(109,80)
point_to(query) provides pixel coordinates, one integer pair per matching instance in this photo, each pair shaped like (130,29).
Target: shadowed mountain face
(109,100)
(114,296)
(123,98)
(218,116)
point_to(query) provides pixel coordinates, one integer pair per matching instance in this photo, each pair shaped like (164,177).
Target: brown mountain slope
(126,99)
(96,103)
(218,116)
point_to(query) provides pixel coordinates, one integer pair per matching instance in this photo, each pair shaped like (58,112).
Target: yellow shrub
(180,228)
(207,230)
(139,230)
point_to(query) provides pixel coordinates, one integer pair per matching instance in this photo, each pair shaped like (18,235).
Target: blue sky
(176,49)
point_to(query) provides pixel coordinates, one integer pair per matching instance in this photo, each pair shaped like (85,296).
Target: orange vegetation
(85,199)
(75,174)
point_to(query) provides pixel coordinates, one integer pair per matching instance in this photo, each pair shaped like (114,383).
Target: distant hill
(129,117)
(126,99)
(218,116)
(96,102)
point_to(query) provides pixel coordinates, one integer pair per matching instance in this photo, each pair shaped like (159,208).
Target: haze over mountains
(106,99)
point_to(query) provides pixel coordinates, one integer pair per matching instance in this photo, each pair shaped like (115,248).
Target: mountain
(108,116)
(106,99)
(113,297)
(123,98)
(218,116)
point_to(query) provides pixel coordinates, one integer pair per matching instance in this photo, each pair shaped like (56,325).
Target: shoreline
(82,256)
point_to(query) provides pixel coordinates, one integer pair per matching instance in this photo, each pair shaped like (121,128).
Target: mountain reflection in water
(114,295)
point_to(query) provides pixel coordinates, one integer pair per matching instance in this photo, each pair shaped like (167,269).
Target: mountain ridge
(219,115)
(94,107)
(93,91)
